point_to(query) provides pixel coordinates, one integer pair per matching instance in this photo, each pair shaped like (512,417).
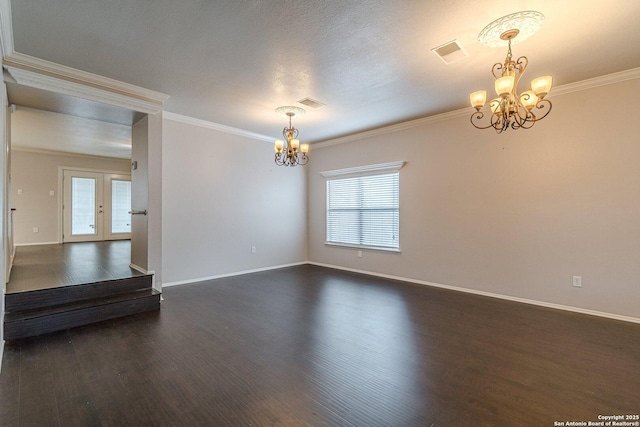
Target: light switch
(19,191)
(52,193)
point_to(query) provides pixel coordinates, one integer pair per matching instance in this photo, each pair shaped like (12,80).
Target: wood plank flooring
(49,266)
(310,346)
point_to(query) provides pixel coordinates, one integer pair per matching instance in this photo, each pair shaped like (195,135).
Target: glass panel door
(120,206)
(117,192)
(82,206)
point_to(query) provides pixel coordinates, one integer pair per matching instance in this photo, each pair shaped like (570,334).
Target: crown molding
(463,112)
(58,85)
(42,66)
(6,28)
(39,73)
(607,79)
(215,126)
(65,153)
(377,168)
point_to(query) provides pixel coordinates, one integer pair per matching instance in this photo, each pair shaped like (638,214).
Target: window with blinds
(364,211)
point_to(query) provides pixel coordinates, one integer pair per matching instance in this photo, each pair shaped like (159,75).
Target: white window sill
(363,247)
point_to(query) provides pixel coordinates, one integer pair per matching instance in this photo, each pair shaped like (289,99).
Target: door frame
(61,170)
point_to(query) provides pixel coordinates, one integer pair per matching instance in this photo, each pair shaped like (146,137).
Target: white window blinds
(363,211)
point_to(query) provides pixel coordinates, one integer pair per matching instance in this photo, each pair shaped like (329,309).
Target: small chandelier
(291,152)
(510,109)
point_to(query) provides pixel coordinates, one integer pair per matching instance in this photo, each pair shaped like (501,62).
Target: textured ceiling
(233,62)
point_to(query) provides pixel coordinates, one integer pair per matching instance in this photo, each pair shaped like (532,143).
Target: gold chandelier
(511,109)
(289,152)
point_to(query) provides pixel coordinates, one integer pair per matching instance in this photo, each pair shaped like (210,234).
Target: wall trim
(141,270)
(6,29)
(36,244)
(488,294)
(237,273)
(377,168)
(1,354)
(608,79)
(63,153)
(34,72)
(215,126)
(463,112)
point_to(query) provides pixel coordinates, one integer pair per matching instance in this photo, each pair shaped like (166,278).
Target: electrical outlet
(52,193)
(359,254)
(577,281)
(36,229)
(253,249)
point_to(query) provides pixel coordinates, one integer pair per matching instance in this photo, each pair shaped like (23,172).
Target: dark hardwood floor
(49,266)
(310,346)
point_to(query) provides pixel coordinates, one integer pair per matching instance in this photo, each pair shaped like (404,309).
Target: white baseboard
(237,273)
(489,294)
(1,354)
(141,270)
(36,244)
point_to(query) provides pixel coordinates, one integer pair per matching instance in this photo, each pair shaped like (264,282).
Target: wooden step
(41,320)
(19,301)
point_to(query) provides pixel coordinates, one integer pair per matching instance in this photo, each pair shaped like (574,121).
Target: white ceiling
(233,62)
(39,130)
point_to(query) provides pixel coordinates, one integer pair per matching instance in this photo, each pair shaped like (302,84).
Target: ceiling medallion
(527,23)
(289,152)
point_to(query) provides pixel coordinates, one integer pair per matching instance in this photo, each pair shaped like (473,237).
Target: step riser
(70,319)
(56,296)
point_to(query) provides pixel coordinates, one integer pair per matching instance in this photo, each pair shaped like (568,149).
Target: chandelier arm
(521,114)
(478,115)
(497,120)
(541,105)
(496,70)
(529,123)
(522,63)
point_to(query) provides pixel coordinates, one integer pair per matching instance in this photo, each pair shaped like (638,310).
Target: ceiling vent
(450,52)
(311,103)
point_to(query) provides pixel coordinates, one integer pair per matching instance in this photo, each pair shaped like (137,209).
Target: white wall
(36,174)
(5,161)
(222,194)
(146,194)
(516,214)
(140,194)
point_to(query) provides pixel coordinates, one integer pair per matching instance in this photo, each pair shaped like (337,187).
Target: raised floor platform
(57,287)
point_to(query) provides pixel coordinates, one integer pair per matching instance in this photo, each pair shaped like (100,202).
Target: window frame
(355,172)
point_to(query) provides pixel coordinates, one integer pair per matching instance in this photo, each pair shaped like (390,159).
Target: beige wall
(222,194)
(146,195)
(516,214)
(140,194)
(36,174)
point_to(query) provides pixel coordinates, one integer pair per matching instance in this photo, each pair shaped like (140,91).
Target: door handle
(144,212)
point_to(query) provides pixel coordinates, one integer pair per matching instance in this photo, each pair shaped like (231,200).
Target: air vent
(450,52)
(311,103)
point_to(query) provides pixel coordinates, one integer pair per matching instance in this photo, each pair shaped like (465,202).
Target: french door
(96,206)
